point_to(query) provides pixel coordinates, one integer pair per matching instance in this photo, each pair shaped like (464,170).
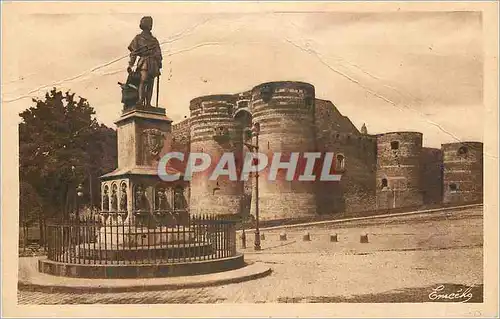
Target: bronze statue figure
(139,198)
(161,199)
(179,200)
(105,199)
(147,48)
(123,198)
(114,198)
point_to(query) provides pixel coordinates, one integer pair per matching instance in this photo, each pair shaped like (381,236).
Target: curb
(27,286)
(381,216)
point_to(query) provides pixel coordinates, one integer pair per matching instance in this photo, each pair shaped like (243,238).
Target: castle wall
(384,171)
(360,172)
(398,170)
(463,172)
(285,113)
(181,132)
(181,142)
(243,100)
(356,189)
(432,175)
(213,131)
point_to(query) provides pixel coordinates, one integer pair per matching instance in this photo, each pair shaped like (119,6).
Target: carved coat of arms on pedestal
(153,141)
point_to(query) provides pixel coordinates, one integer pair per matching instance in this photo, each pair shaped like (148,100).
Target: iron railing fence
(161,237)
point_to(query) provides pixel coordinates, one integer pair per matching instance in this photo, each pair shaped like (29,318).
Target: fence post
(334,237)
(243,240)
(283,236)
(363,238)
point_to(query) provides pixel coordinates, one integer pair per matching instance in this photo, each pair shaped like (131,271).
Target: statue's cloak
(147,48)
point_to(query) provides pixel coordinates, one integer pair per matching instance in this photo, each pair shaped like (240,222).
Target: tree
(61,145)
(30,207)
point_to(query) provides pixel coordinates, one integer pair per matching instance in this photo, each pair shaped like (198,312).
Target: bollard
(262,237)
(334,238)
(306,237)
(243,240)
(282,236)
(363,238)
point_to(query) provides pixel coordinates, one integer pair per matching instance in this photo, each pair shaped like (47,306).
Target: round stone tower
(213,132)
(463,172)
(398,170)
(285,112)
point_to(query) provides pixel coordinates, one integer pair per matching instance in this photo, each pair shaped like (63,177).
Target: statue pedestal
(147,225)
(144,137)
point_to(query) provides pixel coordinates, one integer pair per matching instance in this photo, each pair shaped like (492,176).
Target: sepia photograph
(315,158)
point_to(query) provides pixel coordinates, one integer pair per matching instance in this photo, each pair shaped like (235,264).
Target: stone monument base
(114,253)
(129,237)
(115,271)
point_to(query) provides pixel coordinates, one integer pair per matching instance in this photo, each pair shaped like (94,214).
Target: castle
(383,171)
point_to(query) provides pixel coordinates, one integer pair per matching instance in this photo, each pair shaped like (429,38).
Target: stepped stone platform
(117,270)
(31,279)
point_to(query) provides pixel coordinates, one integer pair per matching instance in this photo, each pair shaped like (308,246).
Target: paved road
(404,260)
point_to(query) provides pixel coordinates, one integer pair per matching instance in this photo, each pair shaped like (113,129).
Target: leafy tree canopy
(62,145)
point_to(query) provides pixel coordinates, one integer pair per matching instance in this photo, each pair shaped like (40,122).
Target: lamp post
(255,148)
(79,193)
(256,131)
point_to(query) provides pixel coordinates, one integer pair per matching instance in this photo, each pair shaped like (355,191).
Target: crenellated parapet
(211,116)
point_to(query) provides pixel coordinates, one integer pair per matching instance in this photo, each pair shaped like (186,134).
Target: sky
(409,71)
